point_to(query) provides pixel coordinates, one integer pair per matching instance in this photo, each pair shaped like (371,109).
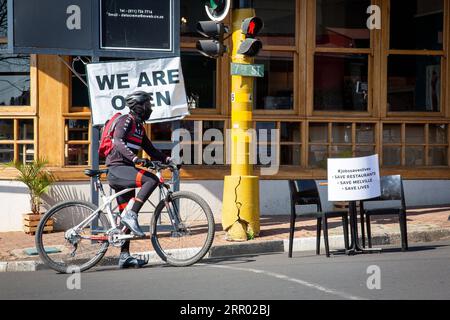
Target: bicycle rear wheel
(80,252)
(186,243)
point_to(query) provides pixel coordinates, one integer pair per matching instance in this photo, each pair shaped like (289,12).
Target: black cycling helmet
(139,104)
(137,97)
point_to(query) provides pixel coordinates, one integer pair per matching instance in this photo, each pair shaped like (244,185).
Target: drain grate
(33,251)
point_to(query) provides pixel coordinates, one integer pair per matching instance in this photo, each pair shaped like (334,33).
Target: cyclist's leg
(131,177)
(118,184)
(123,200)
(148,183)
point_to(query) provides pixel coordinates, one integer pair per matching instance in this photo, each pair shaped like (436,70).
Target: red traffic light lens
(252,26)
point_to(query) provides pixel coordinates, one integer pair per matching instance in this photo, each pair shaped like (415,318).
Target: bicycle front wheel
(80,251)
(182,229)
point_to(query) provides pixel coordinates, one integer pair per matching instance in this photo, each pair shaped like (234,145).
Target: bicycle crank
(113,238)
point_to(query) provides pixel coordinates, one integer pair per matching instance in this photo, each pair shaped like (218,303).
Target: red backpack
(106,143)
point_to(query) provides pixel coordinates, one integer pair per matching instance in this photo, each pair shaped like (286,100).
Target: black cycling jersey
(127,144)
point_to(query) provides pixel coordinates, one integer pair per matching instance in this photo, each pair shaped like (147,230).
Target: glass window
(77,154)
(190,126)
(342,133)
(416,24)
(199,74)
(218,125)
(77,130)
(364,151)
(318,132)
(6,129)
(14,80)
(341,152)
(438,156)
(275,91)
(279,21)
(16,140)
(161,131)
(392,156)
(415,133)
(318,156)
(290,155)
(6,152)
(26,129)
(290,132)
(365,133)
(80,94)
(342,23)
(26,153)
(414,83)
(415,156)
(438,134)
(263,131)
(191,11)
(340,82)
(3,24)
(392,133)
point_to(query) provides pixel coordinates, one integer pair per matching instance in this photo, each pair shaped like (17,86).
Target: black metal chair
(305,192)
(391,189)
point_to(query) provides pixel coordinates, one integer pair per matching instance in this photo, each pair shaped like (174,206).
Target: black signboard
(64,26)
(136,24)
(109,28)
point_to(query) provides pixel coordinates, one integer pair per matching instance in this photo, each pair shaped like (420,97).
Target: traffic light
(215,31)
(250,28)
(217,10)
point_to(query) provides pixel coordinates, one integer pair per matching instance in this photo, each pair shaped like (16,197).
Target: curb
(238,249)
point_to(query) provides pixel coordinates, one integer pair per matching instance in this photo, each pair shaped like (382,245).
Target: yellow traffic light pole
(240,211)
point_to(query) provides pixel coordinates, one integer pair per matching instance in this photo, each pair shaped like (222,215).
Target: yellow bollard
(240,209)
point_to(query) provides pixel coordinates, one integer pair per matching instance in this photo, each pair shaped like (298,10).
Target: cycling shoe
(128,261)
(130,220)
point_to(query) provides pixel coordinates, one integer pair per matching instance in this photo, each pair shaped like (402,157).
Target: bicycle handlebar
(158,165)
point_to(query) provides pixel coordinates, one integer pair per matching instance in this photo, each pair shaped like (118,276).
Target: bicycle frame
(106,207)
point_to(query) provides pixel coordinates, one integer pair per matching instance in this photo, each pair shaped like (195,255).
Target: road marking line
(287,278)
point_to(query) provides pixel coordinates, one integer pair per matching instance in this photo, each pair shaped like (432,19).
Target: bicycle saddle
(94,173)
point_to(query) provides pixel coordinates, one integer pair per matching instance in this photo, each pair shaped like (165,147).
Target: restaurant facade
(333,85)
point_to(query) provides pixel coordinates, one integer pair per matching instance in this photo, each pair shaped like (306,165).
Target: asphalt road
(421,273)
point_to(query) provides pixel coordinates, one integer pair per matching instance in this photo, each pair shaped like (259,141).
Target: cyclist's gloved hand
(142,161)
(170,162)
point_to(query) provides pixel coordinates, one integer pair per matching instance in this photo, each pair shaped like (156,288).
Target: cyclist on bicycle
(123,173)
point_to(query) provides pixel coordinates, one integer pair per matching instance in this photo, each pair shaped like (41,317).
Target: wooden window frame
(77,142)
(312,49)
(16,138)
(297,56)
(445,73)
(403,144)
(31,110)
(330,143)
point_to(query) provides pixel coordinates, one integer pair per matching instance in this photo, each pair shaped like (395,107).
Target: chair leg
(291,233)
(325,236)
(345,225)
(363,236)
(318,234)
(369,232)
(403,231)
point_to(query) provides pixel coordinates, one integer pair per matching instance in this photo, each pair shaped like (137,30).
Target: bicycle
(88,231)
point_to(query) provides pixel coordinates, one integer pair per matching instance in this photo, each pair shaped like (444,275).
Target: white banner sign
(351,179)
(109,84)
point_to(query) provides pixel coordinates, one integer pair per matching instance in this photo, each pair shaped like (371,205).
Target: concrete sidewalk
(424,225)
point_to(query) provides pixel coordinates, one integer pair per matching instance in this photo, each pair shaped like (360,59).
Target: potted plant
(38,180)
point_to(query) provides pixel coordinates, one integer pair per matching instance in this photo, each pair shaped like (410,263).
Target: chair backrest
(304,192)
(391,189)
